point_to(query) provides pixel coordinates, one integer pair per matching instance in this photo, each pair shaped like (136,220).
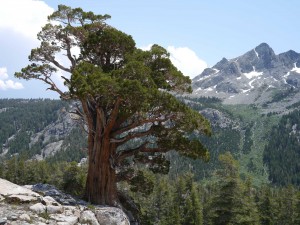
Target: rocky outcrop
(110,217)
(53,134)
(219,119)
(47,205)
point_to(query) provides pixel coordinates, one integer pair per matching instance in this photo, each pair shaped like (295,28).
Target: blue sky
(198,33)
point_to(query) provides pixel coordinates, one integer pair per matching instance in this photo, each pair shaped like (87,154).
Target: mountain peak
(264,49)
(252,76)
(290,56)
(221,64)
(263,46)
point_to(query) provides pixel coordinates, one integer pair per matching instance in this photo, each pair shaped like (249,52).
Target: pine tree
(297,209)
(247,212)
(232,202)
(265,207)
(286,206)
(193,208)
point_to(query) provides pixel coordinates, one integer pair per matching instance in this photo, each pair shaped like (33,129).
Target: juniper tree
(126,98)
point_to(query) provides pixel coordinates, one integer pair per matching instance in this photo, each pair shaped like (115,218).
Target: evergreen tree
(231,204)
(265,207)
(297,209)
(286,206)
(73,179)
(164,201)
(193,208)
(125,95)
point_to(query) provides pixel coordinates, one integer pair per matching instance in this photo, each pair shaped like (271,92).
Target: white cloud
(25,17)
(184,59)
(3,73)
(146,48)
(8,84)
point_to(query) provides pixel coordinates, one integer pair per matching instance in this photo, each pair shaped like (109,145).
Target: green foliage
(45,215)
(264,204)
(281,95)
(74,179)
(193,208)
(225,200)
(126,94)
(66,176)
(142,183)
(281,154)
(179,201)
(241,129)
(172,202)
(294,105)
(233,202)
(20,118)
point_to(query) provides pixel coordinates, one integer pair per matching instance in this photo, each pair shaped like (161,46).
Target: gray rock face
(49,211)
(52,209)
(51,136)
(88,217)
(24,217)
(250,78)
(3,221)
(218,118)
(64,220)
(55,194)
(111,216)
(13,193)
(38,208)
(8,188)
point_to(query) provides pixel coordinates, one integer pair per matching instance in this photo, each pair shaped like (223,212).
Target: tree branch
(113,116)
(131,136)
(153,150)
(120,156)
(72,60)
(143,122)
(52,60)
(53,87)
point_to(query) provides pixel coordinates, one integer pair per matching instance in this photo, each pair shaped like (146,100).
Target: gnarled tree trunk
(101,185)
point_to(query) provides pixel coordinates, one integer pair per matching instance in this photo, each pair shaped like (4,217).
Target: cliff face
(47,205)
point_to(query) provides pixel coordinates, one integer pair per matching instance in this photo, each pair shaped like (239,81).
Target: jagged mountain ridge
(250,78)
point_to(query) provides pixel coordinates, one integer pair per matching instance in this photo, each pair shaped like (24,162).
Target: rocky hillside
(252,102)
(43,204)
(242,130)
(254,77)
(39,129)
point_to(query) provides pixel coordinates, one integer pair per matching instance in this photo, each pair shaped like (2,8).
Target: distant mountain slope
(38,128)
(260,93)
(242,130)
(282,153)
(251,78)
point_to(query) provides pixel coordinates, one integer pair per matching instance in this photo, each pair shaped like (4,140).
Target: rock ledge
(23,205)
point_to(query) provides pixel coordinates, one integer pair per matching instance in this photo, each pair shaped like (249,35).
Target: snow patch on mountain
(256,53)
(251,77)
(296,69)
(253,73)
